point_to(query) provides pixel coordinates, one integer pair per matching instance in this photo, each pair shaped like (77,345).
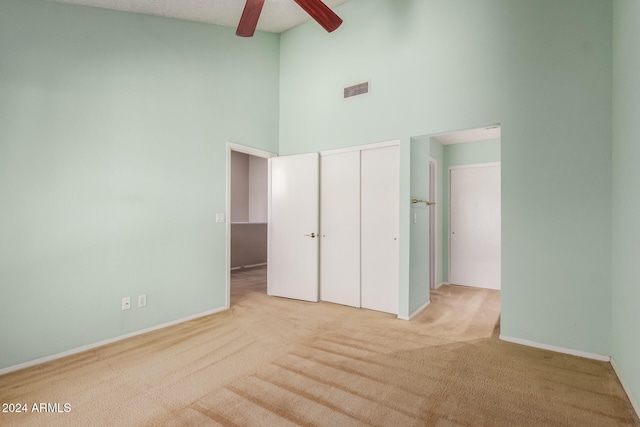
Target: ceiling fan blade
(249,18)
(321,13)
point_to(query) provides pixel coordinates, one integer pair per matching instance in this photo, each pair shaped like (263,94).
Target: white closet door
(292,255)
(380,258)
(475,226)
(340,228)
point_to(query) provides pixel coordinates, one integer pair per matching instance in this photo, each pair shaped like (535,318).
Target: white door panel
(292,259)
(340,228)
(380,174)
(475,226)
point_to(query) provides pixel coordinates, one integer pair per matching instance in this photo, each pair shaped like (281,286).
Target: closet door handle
(312,235)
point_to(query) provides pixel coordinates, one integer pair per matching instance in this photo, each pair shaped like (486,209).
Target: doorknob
(312,235)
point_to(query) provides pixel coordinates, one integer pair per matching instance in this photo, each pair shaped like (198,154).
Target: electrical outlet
(142,300)
(126,303)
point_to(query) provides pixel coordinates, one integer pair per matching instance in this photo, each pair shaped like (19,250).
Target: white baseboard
(105,342)
(255,265)
(627,390)
(242,267)
(415,313)
(440,284)
(557,349)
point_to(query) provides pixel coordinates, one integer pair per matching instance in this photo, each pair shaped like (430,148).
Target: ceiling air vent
(356,90)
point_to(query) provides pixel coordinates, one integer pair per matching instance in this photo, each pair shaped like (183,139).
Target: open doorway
(471,208)
(247,191)
(467,151)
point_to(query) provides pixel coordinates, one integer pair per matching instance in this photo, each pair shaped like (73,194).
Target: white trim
(476,165)
(475,128)
(361,147)
(250,150)
(249,223)
(105,342)
(627,390)
(249,266)
(415,313)
(232,146)
(556,349)
(442,283)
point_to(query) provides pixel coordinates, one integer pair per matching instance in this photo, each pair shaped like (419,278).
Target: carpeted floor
(276,362)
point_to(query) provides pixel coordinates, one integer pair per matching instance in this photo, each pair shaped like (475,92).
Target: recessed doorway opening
(247,190)
(471,206)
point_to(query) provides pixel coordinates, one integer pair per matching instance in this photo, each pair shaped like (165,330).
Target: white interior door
(292,256)
(340,228)
(380,258)
(475,226)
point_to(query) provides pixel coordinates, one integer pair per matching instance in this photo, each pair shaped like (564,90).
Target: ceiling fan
(315,8)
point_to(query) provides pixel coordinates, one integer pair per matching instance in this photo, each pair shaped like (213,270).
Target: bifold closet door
(340,228)
(380,226)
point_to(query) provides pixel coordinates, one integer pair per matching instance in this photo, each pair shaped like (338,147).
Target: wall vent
(356,90)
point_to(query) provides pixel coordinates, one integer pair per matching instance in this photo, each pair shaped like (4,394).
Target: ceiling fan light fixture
(319,11)
(249,18)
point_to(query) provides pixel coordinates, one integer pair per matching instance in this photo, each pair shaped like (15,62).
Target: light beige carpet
(277,362)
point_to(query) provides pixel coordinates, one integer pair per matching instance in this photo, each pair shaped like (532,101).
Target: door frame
(433,224)
(232,146)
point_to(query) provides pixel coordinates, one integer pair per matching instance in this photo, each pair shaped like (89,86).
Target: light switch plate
(220,218)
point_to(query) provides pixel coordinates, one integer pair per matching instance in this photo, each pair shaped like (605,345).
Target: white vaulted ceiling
(277,15)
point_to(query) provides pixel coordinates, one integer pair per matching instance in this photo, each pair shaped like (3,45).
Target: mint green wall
(112,148)
(626,203)
(468,153)
(419,225)
(540,68)
(113,131)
